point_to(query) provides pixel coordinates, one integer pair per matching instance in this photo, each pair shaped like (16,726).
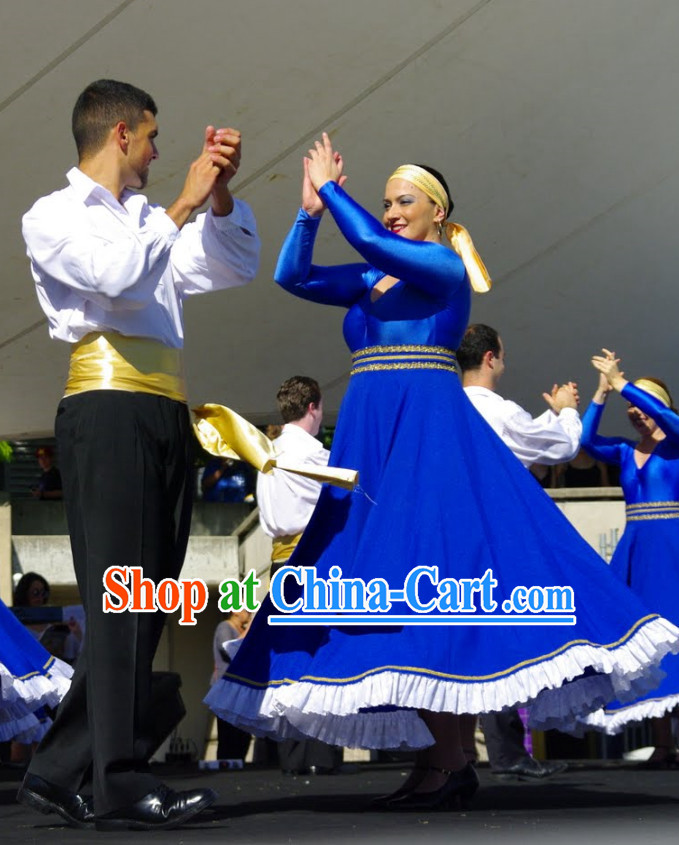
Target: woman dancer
(30,679)
(441,490)
(647,556)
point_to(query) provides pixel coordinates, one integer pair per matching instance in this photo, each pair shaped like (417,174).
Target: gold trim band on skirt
(414,357)
(652,510)
(110,361)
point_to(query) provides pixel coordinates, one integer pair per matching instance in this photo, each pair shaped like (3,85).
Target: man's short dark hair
(295,395)
(103,104)
(477,340)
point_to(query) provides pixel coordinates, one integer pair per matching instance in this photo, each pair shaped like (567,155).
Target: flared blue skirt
(439,489)
(647,560)
(30,680)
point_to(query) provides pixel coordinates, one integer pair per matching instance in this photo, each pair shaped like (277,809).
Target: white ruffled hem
(20,724)
(342,714)
(614,721)
(41,689)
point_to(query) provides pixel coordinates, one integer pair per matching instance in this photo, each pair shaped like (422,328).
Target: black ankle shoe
(161,809)
(46,797)
(459,788)
(383,801)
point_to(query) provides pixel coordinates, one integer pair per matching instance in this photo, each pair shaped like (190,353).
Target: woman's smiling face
(409,212)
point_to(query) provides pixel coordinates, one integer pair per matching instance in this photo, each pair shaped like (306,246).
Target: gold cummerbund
(652,510)
(414,357)
(284,546)
(110,361)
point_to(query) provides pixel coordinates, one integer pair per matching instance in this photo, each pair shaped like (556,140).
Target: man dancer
(111,273)
(552,438)
(286,502)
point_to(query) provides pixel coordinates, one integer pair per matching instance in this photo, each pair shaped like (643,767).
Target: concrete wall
(31,516)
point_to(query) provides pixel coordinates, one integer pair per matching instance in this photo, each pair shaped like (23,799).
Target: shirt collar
(477,390)
(297,431)
(85,187)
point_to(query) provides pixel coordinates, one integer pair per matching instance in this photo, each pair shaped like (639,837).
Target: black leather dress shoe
(161,809)
(46,797)
(532,769)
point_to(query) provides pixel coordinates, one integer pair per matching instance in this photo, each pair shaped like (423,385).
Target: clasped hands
(610,376)
(323,164)
(562,396)
(209,175)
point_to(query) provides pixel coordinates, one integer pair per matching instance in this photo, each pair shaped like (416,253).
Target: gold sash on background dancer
(284,546)
(110,361)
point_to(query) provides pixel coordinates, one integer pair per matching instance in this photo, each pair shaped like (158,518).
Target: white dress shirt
(101,264)
(548,439)
(286,501)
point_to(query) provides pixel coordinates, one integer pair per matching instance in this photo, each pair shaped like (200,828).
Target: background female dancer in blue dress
(647,556)
(442,491)
(30,679)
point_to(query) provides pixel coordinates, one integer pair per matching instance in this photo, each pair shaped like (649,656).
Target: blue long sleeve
(607,449)
(666,418)
(339,285)
(437,271)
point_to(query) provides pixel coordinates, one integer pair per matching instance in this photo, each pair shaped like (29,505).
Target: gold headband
(654,389)
(459,237)
(425,181)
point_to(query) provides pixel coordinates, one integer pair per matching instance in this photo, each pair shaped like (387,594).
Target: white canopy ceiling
(555,123)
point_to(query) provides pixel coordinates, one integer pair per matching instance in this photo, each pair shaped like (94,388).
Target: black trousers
(125,460)
(504,733)
(232,742)
(296,755)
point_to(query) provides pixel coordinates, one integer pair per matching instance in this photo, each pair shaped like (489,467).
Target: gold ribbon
(462,243)
(283,547)
(110,361)
(224,433)
(459,237)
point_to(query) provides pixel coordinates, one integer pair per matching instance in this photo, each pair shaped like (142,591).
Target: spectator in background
(63,640)
(581,471)
(226,480)
(232,742)
(49,483)
(60,640)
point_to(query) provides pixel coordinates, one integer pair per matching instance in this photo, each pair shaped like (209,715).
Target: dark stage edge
(597,803)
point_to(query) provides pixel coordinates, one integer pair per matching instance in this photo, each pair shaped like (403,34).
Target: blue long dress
(647,555)
(438,488)
(30,679)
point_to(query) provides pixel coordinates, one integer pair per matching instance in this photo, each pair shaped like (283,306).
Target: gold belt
(652,510)
(406,357)
(110,361)
(284,546)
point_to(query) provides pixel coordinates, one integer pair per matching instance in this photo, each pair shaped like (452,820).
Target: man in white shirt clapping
(551,438)
(111,273)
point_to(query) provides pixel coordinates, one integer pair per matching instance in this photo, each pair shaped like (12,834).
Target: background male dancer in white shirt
(551,438)
(111,273)
(286,502)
